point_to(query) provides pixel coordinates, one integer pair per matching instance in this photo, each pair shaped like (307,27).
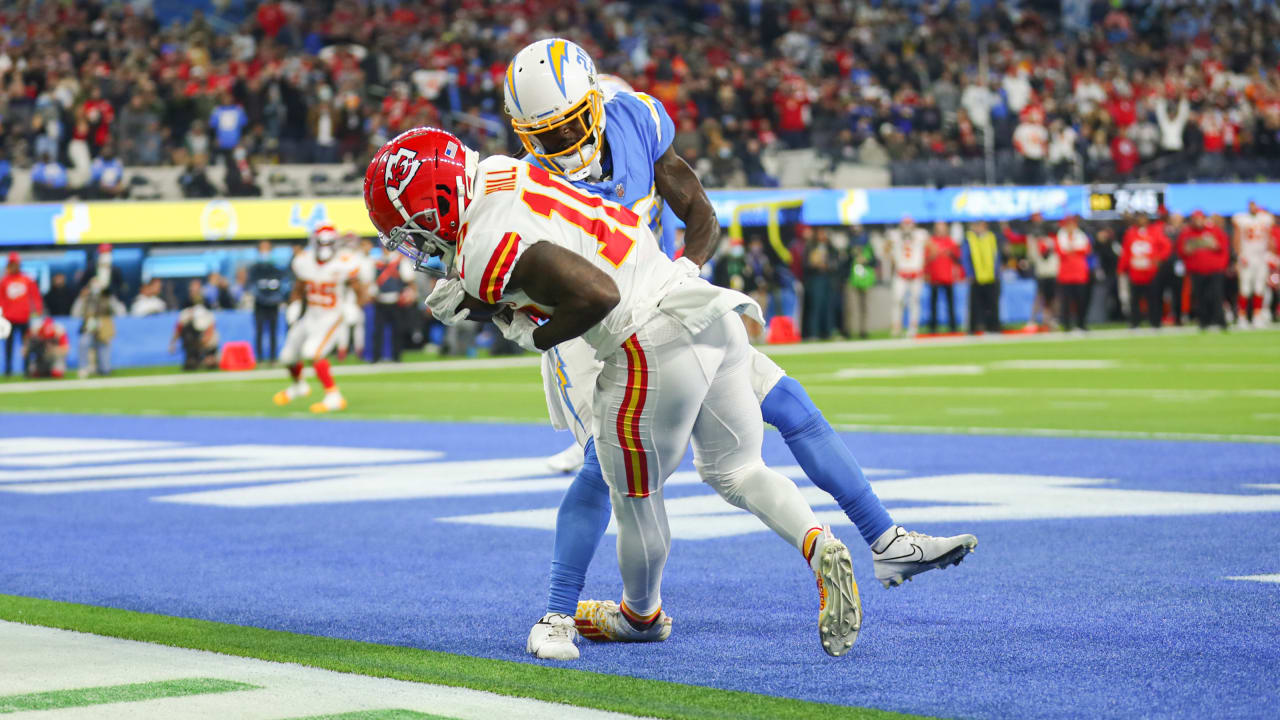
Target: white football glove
(292,312)
(519,329)
(444,300)
(5,327)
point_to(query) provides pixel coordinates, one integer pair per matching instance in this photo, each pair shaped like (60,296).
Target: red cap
(13,257)
(1197,214)
(104,248)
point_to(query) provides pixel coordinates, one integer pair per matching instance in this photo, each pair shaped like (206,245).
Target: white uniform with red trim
(676,362)
(1255,243)
(908,251)
(327,291)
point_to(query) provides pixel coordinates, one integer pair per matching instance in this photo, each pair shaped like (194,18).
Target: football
(480,310)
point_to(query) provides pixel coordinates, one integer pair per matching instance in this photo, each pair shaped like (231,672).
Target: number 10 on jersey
(615,244)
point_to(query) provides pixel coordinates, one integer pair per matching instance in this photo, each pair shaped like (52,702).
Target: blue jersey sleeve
(655,123)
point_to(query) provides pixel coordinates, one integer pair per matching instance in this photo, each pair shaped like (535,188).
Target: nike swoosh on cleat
(916,551)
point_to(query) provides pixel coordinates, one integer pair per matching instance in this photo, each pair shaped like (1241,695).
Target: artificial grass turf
(636,696)
(1215,385)
(132,692)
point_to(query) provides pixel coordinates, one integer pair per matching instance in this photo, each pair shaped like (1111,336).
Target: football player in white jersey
(676,363)
(325,276)
(907,244)
(1253,240)
(621,150)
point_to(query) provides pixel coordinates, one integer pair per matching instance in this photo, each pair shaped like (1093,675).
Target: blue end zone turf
(1099,586)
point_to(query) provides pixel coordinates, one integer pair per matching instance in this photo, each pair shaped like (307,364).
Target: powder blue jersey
(638,131)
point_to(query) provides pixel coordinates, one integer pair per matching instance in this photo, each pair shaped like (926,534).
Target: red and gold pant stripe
(629,414)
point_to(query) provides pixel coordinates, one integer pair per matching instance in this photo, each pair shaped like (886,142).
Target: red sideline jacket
(1144,249)
(1205,251)
(942,267)
(1074,249)
(19,298)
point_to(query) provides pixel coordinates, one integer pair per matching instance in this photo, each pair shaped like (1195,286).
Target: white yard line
(1055,432)
(848,346)
(39,659)
(265,374)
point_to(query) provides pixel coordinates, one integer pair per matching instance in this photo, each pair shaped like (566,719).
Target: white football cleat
(568,460)
(552,638)
(332,402)
(294,391)
(902,555)
(603,621)
(839,607)
(1260,320)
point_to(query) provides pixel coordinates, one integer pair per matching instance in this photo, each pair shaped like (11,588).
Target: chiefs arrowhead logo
(400,171)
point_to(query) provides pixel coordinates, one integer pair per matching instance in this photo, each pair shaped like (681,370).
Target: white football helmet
(551,85)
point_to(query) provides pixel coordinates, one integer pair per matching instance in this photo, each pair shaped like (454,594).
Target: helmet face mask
(419,241)
(551,86)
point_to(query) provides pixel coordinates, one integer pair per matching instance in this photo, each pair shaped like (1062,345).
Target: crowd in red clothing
(1129,89)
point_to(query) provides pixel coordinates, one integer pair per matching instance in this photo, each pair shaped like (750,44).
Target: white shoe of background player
(552,638)
(1260,319)
(900,555)
(291,393)
(332,402)
(568,460)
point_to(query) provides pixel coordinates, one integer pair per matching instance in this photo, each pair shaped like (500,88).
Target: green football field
(1186,385)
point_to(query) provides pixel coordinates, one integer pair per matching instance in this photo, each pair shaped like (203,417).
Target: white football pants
(570,369)
(906,296)
(311,338)
(661,389)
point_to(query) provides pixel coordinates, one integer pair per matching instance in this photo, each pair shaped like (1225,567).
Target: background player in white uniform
(325,277)
(1253,241)
(907,245)
(676,363)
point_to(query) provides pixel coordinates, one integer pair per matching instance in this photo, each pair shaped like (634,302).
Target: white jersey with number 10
(516,205)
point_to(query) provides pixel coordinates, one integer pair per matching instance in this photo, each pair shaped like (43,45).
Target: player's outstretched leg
(899,555)
(333,400)
(727,437)
(298,388)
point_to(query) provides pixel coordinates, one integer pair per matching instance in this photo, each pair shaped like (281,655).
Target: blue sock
(824,456)
(581,522)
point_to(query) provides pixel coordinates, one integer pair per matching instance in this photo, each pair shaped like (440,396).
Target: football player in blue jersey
(620,147)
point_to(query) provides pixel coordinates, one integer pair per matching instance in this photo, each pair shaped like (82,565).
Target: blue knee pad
(580,523)
(824,456)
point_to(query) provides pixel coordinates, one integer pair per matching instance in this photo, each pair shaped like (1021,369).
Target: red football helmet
(416,191)
(324,240)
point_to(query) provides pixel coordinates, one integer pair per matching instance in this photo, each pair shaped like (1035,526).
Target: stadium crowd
(1123,90)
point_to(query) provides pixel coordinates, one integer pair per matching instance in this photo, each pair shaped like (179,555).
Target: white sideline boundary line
(812,348)
(1056,432)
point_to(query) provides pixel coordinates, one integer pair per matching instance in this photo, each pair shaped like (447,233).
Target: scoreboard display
(1112,202)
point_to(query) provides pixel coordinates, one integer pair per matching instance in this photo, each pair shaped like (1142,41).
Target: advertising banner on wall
(223,219)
